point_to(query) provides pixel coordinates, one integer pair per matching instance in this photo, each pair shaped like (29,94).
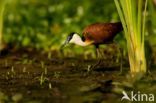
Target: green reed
(133,16)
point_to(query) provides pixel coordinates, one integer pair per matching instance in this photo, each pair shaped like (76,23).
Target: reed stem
(130,12)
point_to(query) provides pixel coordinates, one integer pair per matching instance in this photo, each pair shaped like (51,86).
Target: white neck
(76,39)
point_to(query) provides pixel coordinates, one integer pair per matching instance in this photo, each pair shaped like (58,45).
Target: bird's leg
(98,55)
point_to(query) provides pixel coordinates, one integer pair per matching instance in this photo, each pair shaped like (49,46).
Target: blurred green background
(45,24)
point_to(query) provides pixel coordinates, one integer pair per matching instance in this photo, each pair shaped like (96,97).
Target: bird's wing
(101,32)
(91,31)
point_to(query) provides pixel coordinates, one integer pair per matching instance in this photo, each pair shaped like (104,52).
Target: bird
(95,34)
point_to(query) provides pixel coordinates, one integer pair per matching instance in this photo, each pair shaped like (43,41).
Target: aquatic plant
(133,16)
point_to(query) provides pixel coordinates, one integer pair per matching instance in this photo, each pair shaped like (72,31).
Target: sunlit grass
(2,7)
(133,16)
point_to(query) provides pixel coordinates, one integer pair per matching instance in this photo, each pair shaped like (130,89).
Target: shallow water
(30,77)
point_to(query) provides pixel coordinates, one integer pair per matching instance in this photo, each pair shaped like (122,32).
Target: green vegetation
(34,71)
(133,17)
(2,7)
(45,24)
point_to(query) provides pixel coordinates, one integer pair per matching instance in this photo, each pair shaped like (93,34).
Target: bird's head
(76,39)
(70,39)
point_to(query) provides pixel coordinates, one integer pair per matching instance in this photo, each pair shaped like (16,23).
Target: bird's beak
(64,44)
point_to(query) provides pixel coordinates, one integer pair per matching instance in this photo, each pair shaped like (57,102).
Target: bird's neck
(78,40)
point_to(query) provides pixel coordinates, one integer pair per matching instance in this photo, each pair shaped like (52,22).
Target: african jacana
(96,34)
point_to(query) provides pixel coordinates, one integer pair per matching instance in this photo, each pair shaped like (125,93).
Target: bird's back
(102,32)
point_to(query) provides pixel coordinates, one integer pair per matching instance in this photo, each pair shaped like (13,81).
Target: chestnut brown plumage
(96,34)
(101,33)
